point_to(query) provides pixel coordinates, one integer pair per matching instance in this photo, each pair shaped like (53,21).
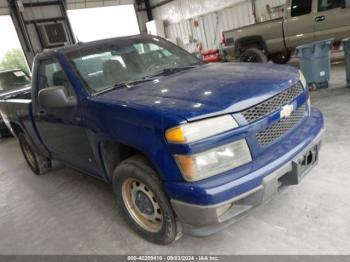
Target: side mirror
(56,97)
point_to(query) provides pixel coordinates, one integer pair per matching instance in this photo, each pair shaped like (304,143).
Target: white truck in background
(303,22)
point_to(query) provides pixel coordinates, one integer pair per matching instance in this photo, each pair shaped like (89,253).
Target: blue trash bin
(315,62)
(346,48)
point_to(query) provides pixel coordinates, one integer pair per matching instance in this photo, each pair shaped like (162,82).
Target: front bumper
(203,220)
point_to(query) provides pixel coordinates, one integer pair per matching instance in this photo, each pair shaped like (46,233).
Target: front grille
(280,128)
(273,104)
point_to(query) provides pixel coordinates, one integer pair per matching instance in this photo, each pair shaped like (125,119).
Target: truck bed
(16,110)
(271,32)
(259,23)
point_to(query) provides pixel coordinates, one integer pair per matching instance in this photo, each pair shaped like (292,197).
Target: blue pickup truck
(187,147)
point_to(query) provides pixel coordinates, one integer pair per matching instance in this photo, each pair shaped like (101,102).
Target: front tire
(37,163)
(142,201)
(253,55)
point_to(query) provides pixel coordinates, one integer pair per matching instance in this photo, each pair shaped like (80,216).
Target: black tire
(137,168)
(281,58)
(37,163)
(253,55)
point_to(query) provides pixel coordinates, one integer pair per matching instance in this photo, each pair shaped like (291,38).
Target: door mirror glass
(56,97)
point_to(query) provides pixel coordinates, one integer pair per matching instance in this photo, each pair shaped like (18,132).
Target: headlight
(302,79)
(304,83)
(215,161)
(192,132)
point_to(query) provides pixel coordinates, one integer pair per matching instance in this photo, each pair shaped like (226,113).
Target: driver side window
(301,7)
(51,74)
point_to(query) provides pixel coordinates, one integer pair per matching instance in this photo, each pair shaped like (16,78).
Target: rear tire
(142,201)
(37,163)
(253,55)
(281,58)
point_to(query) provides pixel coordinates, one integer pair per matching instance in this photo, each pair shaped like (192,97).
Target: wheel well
(113,153)
(286,53)
(250,42)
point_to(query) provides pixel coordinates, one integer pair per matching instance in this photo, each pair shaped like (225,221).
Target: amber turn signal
(175,135)
(187,167)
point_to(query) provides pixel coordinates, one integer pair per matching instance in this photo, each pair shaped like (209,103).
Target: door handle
(320,18)
(41,113)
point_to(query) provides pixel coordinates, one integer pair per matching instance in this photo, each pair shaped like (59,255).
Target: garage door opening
(103,22)
(11,54)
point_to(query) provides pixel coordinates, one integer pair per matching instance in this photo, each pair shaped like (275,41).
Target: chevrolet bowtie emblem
(287,111)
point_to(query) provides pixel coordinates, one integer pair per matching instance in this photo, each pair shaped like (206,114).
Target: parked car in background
(13,84)
(304,21)
(188,147)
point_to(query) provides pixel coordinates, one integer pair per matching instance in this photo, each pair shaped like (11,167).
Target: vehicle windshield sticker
(19,73)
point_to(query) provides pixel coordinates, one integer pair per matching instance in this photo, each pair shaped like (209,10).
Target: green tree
(14,59)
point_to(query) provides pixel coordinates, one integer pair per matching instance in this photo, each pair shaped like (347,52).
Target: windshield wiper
(165,71)
(130,83)
(171,70)
(124,84)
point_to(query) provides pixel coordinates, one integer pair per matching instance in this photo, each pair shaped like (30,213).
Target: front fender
(140,130)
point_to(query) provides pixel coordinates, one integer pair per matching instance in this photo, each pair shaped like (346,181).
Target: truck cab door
(332,19)
(61,129)
(299,23)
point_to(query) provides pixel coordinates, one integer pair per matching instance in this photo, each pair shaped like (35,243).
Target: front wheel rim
(142,205)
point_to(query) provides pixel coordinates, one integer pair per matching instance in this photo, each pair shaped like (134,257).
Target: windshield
(123,61)
(12,80)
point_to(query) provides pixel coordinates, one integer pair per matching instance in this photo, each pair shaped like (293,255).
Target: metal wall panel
(261,10)
(42,13)
(210,26)
(214,17)
(36,1)
(4,8)
(179,10)
(80,4)
(28,19)
(71,4)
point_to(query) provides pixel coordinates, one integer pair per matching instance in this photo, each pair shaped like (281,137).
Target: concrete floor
(65,212)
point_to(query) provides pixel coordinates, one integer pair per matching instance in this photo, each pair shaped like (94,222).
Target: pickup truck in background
(303,22)
(187,147)
(13,84)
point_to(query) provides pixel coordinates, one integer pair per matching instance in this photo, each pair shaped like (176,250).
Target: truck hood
(207,90)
